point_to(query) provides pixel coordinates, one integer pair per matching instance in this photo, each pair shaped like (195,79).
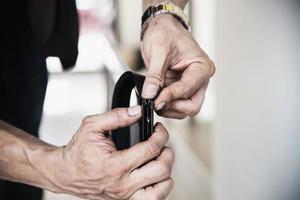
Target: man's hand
(177,65)
(91,167)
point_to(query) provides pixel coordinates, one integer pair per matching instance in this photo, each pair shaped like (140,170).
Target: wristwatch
(164,8)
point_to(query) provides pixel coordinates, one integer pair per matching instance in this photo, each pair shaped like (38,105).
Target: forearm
(147,3)
(26,159)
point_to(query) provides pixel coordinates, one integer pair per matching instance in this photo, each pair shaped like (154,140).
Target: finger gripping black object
(121,98)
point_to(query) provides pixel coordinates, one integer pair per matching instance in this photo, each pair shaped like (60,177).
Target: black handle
(147,119)
(121,98)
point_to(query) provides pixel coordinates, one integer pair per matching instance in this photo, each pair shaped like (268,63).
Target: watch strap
(164,8)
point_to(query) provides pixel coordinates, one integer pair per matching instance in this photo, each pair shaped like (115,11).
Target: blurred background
(245,143)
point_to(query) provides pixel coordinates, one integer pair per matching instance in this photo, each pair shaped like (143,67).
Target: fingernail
(150,91)
(160,106)
(134,110)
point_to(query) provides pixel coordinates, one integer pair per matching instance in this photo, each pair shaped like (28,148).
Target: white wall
(129,22)
(257,132)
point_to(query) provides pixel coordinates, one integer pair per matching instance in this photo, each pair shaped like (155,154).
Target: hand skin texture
(89,166)
(177,65)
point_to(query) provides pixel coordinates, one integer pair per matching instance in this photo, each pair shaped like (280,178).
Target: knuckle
(192,113)
(186,93)
(107,170)
(171,183)
(170,93)
(209,66)
(193,110)
(182,90)
(116,115)
(204,69)
(181,86)
(125,168)
(120,191)
(164,170)
(121,169)
(117,172)
(156,78)
(212,67)
(152,150)
(87,120)
(173,106)
(89,127)
(169,152)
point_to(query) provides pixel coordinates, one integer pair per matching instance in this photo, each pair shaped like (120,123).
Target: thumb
(155,77)
(118,117)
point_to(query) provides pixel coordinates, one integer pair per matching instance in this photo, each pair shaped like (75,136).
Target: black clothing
(22,87)
(31,30)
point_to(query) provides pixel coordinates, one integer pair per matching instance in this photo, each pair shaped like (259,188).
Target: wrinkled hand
(177,64)
(91,167)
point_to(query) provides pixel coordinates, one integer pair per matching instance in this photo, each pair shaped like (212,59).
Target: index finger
(192,79)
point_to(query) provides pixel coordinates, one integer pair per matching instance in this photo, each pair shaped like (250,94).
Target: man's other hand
(89,166)
(177,65)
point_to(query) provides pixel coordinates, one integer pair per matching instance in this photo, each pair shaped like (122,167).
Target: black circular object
(121,98)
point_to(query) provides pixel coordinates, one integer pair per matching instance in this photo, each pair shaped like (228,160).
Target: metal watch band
(164,8)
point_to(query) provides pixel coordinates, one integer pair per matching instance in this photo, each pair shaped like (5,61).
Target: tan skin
(89,166)
(178,66)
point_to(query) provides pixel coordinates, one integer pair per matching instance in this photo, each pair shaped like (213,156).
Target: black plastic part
(147,119)
(121,98)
